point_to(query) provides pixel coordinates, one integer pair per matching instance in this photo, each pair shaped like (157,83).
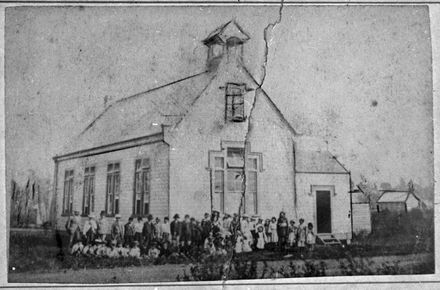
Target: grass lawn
(40,252)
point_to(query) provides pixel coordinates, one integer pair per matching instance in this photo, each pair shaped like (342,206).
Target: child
(77,248)
(209,244)
(261,237)
(292,234)
(311,238)
(165,249)
(112,250)
(153,252)
(138,229)
(301,236)
(273,230)
(165,230)
(135,251)
(101,249)
(267,229)
(123,251)
(247,245)
(239,243)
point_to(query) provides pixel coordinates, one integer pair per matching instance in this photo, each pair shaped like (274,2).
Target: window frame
(89,190)
(144,173)
(230,104)
(213,166)
(113,175)
(68,180)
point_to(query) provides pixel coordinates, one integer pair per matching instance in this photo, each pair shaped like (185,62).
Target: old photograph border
(363,281)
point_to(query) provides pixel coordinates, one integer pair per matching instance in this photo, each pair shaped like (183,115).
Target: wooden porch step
(328,239)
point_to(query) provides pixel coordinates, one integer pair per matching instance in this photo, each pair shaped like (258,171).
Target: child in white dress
(261,237)
(239,243)
(292,234)
(135,251)
(311,238)
(247,245)
(273,230)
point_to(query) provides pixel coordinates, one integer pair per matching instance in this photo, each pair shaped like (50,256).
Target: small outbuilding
(360,206)
(398,201)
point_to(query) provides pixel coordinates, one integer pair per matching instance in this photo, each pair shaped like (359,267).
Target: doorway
(323,212)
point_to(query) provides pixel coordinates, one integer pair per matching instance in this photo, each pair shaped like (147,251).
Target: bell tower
(225,42)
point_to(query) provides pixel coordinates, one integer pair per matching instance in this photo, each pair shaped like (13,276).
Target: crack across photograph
(228,143)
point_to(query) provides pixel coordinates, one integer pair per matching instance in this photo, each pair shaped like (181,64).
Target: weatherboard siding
(340,200)
(361,217)
(158,155)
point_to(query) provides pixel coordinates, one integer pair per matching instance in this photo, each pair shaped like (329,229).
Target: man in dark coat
(282,230)
(176,230)
(147,231)
(129,232)
(206,226)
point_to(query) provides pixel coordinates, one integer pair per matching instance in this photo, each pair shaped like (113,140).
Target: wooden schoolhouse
(195,145)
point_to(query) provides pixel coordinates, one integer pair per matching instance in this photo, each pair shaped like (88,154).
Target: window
(89,190)
(235,102)
(113,188)
(142,187)
(68,192)
(228,179)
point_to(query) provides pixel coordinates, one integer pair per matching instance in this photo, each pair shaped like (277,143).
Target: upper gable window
(235,102)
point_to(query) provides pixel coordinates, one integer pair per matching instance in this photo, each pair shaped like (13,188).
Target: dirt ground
(168,272)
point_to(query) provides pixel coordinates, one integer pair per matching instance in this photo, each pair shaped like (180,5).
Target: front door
(323,212)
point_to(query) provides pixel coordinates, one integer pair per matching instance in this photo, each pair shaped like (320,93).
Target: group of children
(274,234)
(213,235)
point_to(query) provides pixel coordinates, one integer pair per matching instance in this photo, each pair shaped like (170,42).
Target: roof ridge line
(278,111)
(137,95)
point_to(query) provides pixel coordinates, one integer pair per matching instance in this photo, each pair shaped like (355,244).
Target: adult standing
(73,228)
(148,231)
(282,230)
(206,226)
(102,226)
(117,232)
(129,232)
(176,230)
(90,229)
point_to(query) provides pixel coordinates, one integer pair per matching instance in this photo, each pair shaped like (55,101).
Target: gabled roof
(123,120)
(395,196)
(225,32)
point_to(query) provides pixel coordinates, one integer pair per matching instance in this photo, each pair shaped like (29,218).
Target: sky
(358,76)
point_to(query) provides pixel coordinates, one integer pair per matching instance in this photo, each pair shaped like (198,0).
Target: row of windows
(113,189)
(227,179)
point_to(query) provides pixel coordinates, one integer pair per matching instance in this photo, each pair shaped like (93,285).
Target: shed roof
(320,161)
(393,196)
(357,196)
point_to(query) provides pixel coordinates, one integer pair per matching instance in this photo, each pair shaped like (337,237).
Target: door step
(328,240)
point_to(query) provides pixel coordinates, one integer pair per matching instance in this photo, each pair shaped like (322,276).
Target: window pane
(110,167)
(116,166)
(146,163)
(235,157)
(138,207)
(219,162)
(235,180)
(116,206)
(138,164)
(116,188)
(146,208)
(252,181)
(218,181)
(252,163)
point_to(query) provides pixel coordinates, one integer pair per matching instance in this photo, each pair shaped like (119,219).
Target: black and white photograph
(217,143)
